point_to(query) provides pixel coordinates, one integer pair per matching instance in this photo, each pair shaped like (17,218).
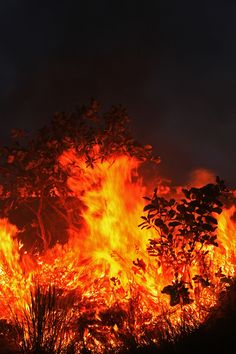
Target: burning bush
(74,192)
(33,183)
(187,231)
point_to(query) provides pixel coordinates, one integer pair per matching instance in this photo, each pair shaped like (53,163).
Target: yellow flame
(106,257)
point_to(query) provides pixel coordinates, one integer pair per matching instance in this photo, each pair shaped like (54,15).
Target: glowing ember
(105,263)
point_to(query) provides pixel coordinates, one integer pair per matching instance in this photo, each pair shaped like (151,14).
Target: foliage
(178,292)
(120,328)
(63,324)
(186,231)
(32,178)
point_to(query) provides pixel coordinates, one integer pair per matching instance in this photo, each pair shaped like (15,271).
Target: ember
(126,264)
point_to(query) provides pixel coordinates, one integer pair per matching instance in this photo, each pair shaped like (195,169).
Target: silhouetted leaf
(186,193)
(174,223)
(159,222)
(217,210)
(211,220)
(148,207)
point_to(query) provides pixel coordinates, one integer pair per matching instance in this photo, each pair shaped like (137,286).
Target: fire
(113,204)
(14,284)
(105,261)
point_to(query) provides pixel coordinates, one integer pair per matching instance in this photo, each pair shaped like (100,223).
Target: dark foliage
(185,229)
(32,178)
(216,335)
(178,292)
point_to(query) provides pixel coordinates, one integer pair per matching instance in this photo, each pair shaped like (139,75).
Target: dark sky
(171,63)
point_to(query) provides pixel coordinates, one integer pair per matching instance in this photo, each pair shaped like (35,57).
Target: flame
(13,283)
(105,259)
(113,205)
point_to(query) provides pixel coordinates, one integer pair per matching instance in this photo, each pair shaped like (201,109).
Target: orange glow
(105,259)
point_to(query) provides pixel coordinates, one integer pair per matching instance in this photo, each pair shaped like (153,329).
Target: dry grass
(53,326)
(45,326)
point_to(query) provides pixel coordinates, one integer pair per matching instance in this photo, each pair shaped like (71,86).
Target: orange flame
(106,258)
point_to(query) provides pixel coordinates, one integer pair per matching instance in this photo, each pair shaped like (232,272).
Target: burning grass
(78,271)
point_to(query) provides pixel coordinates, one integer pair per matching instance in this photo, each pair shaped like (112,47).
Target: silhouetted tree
(185,229)
(33,180)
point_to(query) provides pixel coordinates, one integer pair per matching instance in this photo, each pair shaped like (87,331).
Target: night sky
(172,64)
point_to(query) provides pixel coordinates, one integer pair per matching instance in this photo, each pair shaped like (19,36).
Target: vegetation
(185,229)
(32,181)
(217,335)
(45,325)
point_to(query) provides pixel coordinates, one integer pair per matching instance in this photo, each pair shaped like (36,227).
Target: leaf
(203,281)
(165,229)
(148,207)
(219,203)
(147,198)
(211,220)
(208,227)
(174,223)
(171,202)
(140,264)
(194,192)
(217,210)
(171,213)
(192,205)
(169,289)
(212,240)
(143,223)
(181,208)
(186,193)
(227,280)
(201,210)
(144,218)
(178,293)
(159,222)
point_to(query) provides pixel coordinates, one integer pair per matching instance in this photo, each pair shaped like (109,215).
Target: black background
(171,63)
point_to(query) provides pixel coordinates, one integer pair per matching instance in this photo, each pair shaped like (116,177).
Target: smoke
(201,177)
